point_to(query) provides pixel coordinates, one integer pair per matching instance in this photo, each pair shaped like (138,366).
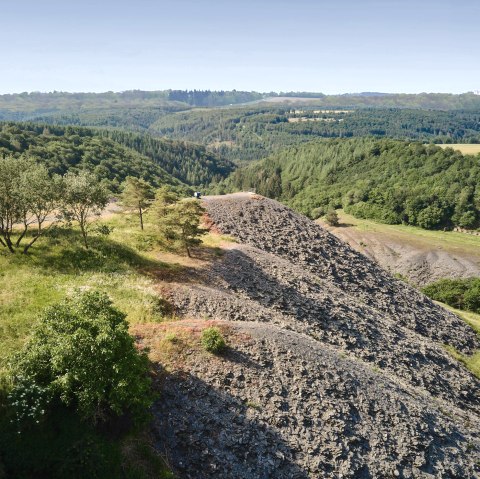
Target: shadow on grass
(64,252)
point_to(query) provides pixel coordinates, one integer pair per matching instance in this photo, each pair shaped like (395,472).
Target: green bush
(458,293)
(212,340)
(81,356)
(332,218)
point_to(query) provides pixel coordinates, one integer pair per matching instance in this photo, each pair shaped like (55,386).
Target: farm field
(464,148)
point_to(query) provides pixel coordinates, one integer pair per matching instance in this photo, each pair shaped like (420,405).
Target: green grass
(429,239)
(125,265)
(471,362)
(57,266)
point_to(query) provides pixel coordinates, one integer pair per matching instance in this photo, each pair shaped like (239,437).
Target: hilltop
(334,368)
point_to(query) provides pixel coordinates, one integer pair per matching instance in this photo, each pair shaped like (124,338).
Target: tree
(42,199)
(332,218)
(138,194)
(182,224)
(81,355)
(164,198)
(12,199)
(83,195)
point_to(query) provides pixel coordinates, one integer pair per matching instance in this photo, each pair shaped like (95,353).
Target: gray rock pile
(342,371)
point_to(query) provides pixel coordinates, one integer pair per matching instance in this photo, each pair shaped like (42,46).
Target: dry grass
(463,148)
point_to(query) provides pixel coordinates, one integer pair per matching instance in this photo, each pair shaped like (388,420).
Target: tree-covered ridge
(111,156)
(20,106)
(24,106)
(72,149)
(255,132)
(190,163)
(390,181)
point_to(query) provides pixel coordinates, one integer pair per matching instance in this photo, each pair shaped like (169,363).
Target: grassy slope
(429,239)
(472,362)
(56,267)
(128,265)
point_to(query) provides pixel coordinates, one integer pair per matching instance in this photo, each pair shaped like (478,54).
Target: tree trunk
(24,232)
(141,217)
(84,234)
(35,238)
(9,243)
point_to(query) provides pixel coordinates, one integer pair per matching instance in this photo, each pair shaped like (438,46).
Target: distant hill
(390,181)
(26,106)
(254,132)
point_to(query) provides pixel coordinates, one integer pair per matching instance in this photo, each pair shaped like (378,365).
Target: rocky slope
(421,262)
(334,370)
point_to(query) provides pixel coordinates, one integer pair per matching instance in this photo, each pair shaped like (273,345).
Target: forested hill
(255,132)
(25,106)
(390,181)
(111,156)
(190,163)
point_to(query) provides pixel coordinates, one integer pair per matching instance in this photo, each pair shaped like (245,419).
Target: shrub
(81,356)
(212,340)
(332,218)
(458,293)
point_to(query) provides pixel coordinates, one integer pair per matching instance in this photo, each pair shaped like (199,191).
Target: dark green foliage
(190,163)
(458,293)
(213,341)
(71,149)
(111,155)
(390,181)
(179,223)
(254,132)
(76,388)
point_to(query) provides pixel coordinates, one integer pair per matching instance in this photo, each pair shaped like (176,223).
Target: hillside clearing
(463,148)
(420,255)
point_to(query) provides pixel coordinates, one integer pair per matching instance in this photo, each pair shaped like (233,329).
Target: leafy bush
(332,218)
(81,356)
(212,340)
(458,293)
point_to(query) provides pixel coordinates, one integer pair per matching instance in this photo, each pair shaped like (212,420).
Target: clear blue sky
(332,46)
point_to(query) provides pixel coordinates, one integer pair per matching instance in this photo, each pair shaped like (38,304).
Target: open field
(420,255)
(464,148)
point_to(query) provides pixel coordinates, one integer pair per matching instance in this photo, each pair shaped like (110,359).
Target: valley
(327,361)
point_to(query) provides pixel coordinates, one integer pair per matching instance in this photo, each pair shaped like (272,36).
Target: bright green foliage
(27,195)
(137,194)
(389,181)
(213,341)
(459,293)
(164,198)
(83,196)
(81,354)
(181,224)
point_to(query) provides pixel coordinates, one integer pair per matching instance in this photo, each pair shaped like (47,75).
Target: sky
(262,45)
